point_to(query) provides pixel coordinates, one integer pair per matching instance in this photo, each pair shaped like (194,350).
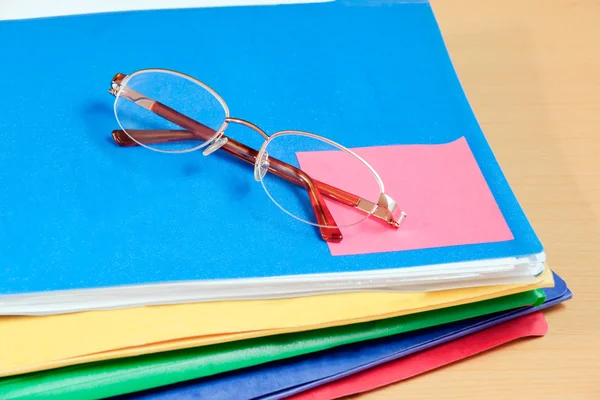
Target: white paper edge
(430,278)
(27,9)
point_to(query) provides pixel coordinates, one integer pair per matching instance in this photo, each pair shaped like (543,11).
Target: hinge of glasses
(115,85)
(386,210)
(114,89)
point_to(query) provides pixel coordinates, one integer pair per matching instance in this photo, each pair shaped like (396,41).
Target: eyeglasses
(170,112)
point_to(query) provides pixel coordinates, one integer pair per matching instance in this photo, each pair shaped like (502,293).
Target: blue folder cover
(78,212)
(284,378)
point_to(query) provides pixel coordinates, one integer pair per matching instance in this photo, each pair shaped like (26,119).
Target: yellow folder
(36,343)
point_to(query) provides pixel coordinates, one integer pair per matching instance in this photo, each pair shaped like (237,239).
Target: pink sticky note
(439,186)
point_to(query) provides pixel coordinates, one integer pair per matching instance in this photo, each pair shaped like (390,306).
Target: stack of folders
(249,202)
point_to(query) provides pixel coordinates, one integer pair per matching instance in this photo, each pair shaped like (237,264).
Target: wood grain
(531,70)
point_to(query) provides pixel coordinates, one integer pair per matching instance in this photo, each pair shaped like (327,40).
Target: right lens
(169,112)
(337,172)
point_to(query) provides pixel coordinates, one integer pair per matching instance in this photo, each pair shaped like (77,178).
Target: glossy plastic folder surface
(98,226)
(76,338)
(295,375)
(110,378)
(405,368)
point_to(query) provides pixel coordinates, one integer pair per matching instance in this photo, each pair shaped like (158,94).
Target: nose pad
(214,146)
(262,166)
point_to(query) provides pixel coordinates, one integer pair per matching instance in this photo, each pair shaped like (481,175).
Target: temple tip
(122,139)
(331,235)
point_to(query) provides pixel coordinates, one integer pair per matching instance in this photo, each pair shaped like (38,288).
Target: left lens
(346,182)
(155,107)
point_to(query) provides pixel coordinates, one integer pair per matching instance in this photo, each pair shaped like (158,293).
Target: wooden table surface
(531,70)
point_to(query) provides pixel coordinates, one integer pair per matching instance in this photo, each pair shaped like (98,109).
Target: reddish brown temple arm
(328,228)
(233,147)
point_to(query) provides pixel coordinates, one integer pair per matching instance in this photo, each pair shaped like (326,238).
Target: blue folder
(78,212)
(281,379)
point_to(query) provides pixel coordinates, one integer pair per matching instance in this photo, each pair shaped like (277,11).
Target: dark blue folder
(284,378)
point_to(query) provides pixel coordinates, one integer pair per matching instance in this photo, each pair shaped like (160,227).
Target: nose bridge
(249,125)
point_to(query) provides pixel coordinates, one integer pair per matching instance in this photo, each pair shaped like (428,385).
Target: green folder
(126,375)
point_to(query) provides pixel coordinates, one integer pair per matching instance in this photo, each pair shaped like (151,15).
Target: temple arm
(249,155)
(237,149)
(382,210)
(327,225)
